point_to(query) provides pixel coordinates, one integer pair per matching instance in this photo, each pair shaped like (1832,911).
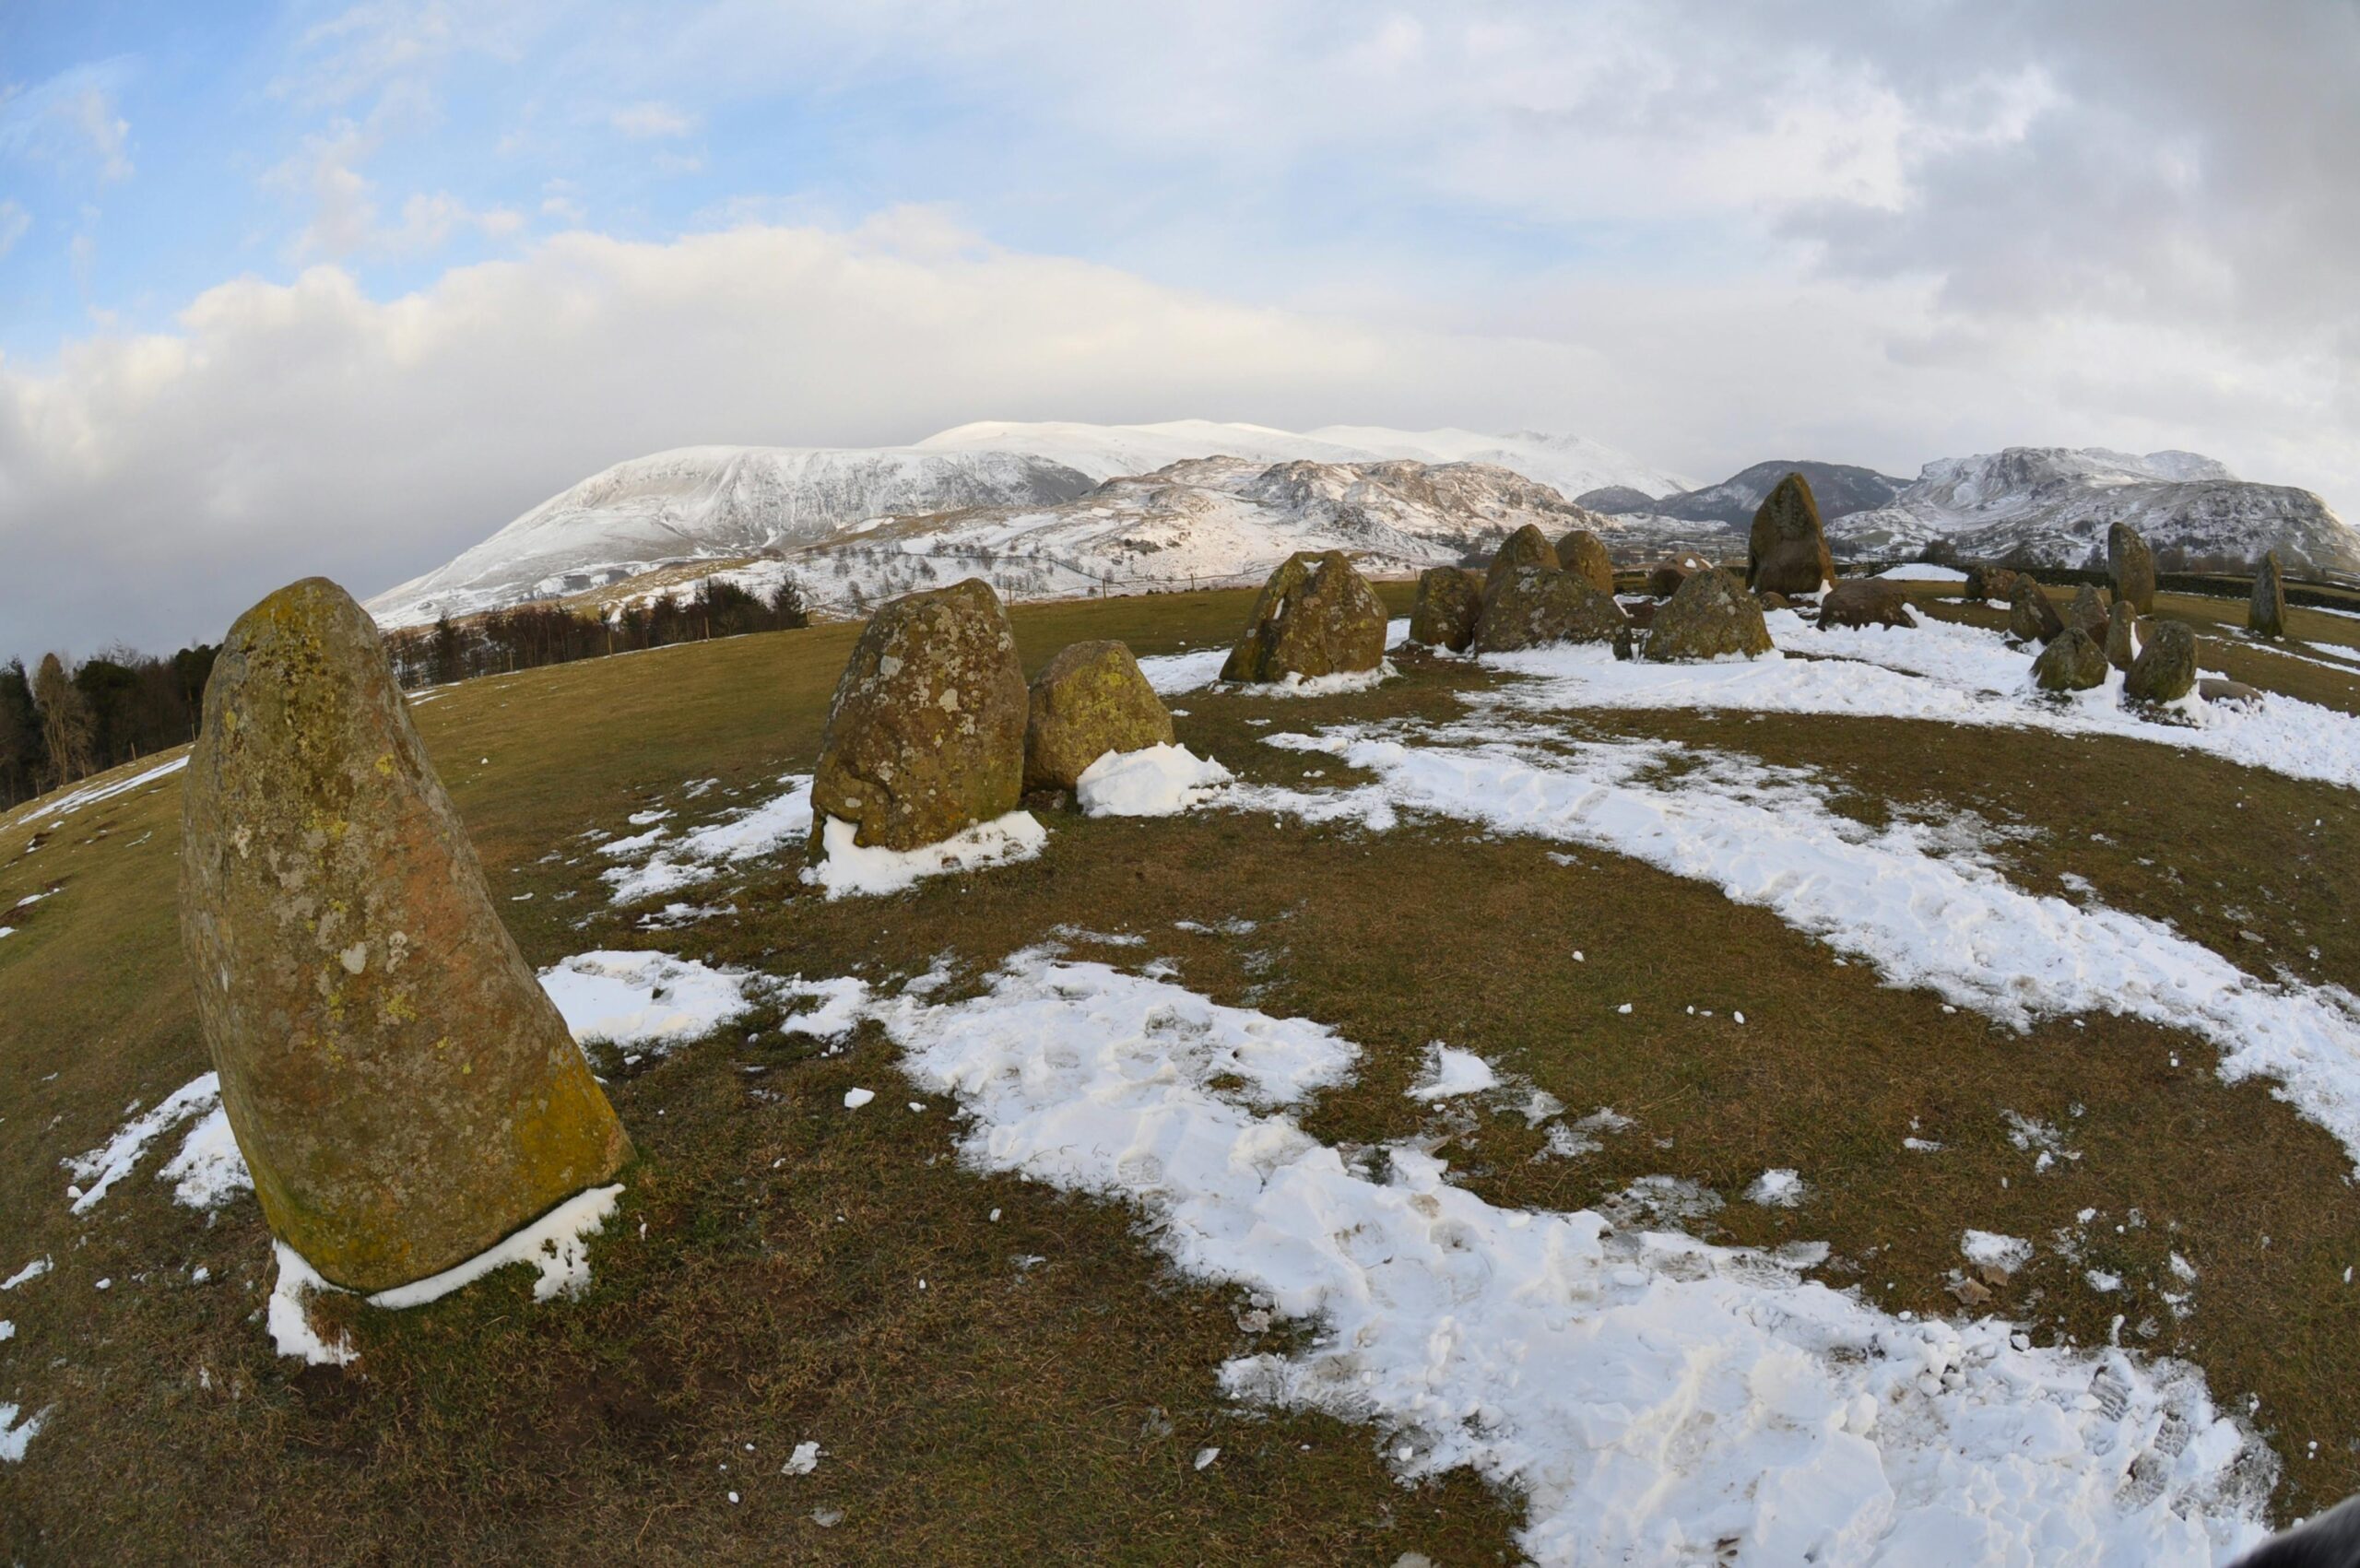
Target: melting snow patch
(30,1271)
(15,1434)
(1451,1072)
(1988,1249)
(99,1170)
(208,1171)
(1778,1189)
(848,868)
(1654,1397)
(1157,781)
(803,1461)
(1171,674)
(705,852)
(1295,685)
(1923,572)
(90,795)
(642,999)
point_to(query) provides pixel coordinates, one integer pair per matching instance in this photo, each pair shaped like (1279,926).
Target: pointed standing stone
(404,1094)
(2131,565)
(2266,616)
(1314,617)
(2121,635)
(1786,552)
(2030,617)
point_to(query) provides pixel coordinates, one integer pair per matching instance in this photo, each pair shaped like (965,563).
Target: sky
(290,289)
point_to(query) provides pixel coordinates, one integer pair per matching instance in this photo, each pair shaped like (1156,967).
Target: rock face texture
(1786,551)
(2074,662)
(1710,617)
(1315,616)
(926,733)
(1529,607)
(1664,581)
(1088,701)
(2090,611)
(1991,583)
(403,1092)
(1449,600)
(2165,671)
(2031,618)
(1525,549)
(1583,553)
(2132,566)
(2266,616)
(2121,635)
(1866,601)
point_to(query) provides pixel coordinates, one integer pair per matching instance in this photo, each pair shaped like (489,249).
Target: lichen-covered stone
(926,733)
(2074,662)
(1090,700)
(1314,617)
(1525,550)
(1865,601)
(1451,600)
(1583,553)
(2090,611)
(401,1089)
(2132,567)
(2165,671)
(1664,580)
(2031,618)
(2266,616)
(1709,616)
(1529,607)
(1786,552)
(2121,635)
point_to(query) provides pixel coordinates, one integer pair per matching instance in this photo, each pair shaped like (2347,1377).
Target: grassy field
(761,1286)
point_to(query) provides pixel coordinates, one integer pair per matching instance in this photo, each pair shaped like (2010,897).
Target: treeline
(530,635)
(62,722)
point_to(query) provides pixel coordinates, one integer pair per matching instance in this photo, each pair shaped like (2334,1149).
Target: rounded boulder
(1090,700)
(1449,602)
(1315,616)
(1709,618)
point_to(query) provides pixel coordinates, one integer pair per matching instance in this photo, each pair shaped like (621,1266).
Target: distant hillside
(1840,488)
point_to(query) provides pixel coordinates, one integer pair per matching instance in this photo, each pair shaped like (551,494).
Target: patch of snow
(15,1434)
(1171,674)
(1451,1072)
(1923,572)
(1653,1397)
(208,1171)
(704,853)
(1294,685)
(90,795)
(290,1316)
(843,1002)
(1156,781)
(558,1244)
(1991,1250)
(848,868)
(649,1000)
(1778,1190)
(30,1271)
(102,1167)
(803,1461)
(855,1098)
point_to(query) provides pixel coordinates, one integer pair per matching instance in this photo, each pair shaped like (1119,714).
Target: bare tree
(65,721)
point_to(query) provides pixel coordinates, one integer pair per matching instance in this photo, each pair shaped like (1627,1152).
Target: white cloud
(644,121)
(345,220)
(14,223)
(158,484)
(70,121)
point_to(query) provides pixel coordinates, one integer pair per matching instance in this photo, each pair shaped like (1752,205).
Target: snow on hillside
(711,502)
(1568,463)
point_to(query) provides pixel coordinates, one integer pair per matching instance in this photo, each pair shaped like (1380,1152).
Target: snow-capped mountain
(712,503)
(1839,488)
(1570,464)
(2052,506)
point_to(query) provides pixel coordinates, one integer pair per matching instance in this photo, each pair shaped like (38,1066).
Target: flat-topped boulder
(925,732)
(2266,614)
(2074,662)
(2030,617)
(1786,551)
(1531,607)
(402,1090)
(2165,671)
(1450,599)
(1583,553)
(1865,601)
(2130,567)
(1089,700)
(1314,617)
(1711,617)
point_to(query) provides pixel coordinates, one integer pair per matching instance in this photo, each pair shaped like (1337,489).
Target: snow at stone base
(1651,1396)
(1155,781)
(846,868)
(1908,898)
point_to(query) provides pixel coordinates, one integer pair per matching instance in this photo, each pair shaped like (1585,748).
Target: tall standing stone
(1583,553)
(1315,616)
(1786,552)
(403,1092)
(925,732)
(2132,566)
(2266,616)
(1449,600)
(1090,700)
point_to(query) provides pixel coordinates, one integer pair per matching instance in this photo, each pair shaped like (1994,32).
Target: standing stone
(1530,607)
(2132,567)
(2090,611)
(926,733)
(1449,600)
(402,1090)
(1090,700)
(2165,671)
(1583,553)
(1709,618)
(1865,601)
(1786,551)
(2266,616)
(2074,662)
(1525,549)
(1664,581)
(1315,616)
(2031,618)
(2121,635)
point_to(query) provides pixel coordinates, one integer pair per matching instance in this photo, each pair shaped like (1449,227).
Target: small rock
(1969,1292)
(1451,600)
(2216,690)
(1090,700)
(1991,583)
